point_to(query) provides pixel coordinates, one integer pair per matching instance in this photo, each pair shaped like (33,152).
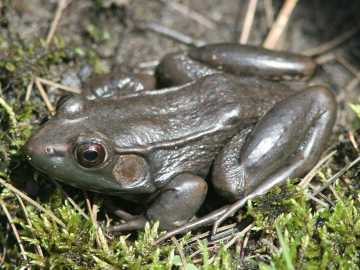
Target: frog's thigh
(178,201)
(287,142)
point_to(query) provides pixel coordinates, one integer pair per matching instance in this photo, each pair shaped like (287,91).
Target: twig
(248,22)
(148,64)
(29,89)
(3,256)
(13,227)
(31,201)
(181,252)
(190,13)
(325,58)
(44,96)
(323,198)
(238,235)
(100,238)
(244,245)
(223,235)
(336,176)
(327,46)
(210,247)
(60,86)
(62,4)
(307,179)
(335,193)
(28,220)
(221,229)
(235,238)
(318,200)
(169,33)
(351,68)
(352,84)
(280,24)
(223,239)
(353,141)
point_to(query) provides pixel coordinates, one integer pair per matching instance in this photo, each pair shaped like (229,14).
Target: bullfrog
(225,115)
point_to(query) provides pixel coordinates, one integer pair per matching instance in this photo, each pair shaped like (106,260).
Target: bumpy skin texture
(157,146)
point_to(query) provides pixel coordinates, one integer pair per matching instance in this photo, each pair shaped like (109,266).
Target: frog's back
(210,105)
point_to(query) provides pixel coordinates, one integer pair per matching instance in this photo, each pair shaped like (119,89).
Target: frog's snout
(41,153)
(35,150)
(31,148)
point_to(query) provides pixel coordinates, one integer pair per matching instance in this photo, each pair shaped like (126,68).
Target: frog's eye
(90,155)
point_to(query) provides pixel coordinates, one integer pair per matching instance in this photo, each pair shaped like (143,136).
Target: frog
(240,118)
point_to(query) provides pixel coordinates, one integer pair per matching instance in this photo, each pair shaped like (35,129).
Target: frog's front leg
(176,204)
(286,143)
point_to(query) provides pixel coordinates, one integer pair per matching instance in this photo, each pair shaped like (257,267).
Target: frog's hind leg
(176,204)
(286,143)
(245,60)
(240,60)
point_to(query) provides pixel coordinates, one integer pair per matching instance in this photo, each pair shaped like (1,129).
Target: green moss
(316,239)
(97,34)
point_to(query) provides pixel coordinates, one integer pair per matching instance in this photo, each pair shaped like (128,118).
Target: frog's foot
(240,60)
(132,222)
(285,143)
(201,222)
(136,223)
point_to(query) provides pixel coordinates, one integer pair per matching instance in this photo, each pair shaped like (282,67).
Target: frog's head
(70,148)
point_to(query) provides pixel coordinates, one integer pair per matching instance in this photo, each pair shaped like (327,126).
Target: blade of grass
(285,249)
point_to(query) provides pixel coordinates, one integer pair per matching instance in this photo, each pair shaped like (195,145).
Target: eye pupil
(90,154)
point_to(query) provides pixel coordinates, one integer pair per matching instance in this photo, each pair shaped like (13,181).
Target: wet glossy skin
(226,110)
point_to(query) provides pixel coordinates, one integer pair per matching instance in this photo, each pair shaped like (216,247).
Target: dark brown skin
(225,110)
